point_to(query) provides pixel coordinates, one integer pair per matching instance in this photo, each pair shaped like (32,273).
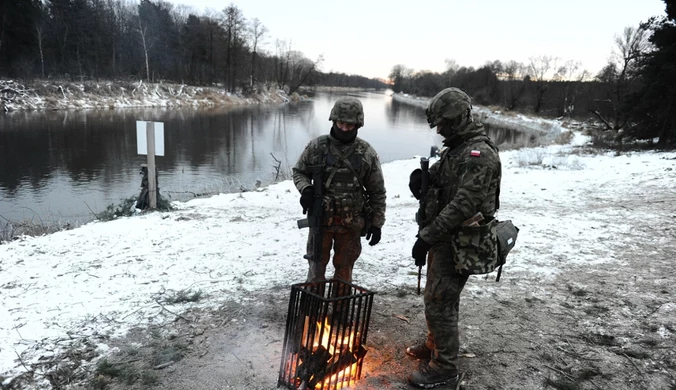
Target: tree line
(153,41)
(632,97)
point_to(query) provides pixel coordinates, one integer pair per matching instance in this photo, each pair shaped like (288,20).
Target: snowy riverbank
(58,95)
(546,130)
(96,282)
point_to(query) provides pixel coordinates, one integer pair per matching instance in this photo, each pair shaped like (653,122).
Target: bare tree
(301,68)
(40,38)
(622,73)
(538,69)
(282,60)
(513,72)
(569,75)
(233,24)
(143,32)
(452,68)
(3,21)
(181,12)
(120,13)
(257,33)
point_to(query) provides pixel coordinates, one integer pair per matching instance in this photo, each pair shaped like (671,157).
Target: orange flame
(346,376)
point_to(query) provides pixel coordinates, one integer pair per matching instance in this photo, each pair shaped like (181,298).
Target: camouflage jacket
(464,181)
(342,189)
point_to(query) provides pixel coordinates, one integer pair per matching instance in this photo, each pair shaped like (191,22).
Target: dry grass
(564,138)
(10,231)
(65,94)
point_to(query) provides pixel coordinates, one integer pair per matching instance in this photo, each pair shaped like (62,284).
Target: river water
(63,166)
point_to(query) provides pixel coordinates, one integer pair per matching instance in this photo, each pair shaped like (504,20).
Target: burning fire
(326,330)
(346,341)
(333,358)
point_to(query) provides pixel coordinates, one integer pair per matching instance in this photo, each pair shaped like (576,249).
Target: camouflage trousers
(346,245)
(442,303)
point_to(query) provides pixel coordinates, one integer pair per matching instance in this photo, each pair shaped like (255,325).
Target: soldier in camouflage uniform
(465,180)
(351,174)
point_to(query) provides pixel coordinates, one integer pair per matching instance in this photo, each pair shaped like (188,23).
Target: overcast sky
(370,37)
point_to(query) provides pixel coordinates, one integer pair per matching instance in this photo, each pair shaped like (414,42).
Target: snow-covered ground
(102,279)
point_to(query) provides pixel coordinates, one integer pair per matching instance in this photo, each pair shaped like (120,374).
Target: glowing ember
(325,334)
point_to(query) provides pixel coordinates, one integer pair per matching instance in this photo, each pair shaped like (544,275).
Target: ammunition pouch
(476,249)
(345,212)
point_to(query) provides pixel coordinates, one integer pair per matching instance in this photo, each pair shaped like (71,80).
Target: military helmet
(348,110)
(447,104)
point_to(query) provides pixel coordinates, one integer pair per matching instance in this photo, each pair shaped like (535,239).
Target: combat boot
(419,351)
(427,377)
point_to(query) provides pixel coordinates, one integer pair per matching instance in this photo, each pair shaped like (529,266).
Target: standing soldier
(353,191)
(464,182)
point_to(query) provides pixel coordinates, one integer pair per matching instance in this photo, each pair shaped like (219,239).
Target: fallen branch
(125,361)
(163,365)
(177,315)
(633,364)
(602,119)
(21,361)
(561,372)
(400,317)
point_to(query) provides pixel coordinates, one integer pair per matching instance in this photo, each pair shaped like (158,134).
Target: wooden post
(152,181)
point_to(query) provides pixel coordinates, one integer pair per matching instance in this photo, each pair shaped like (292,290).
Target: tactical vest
(344,192)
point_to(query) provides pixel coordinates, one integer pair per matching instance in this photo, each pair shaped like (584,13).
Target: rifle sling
(343,157)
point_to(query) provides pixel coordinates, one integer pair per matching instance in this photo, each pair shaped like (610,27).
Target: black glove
(306,198)
(373,234)
(419,252)
(415,182)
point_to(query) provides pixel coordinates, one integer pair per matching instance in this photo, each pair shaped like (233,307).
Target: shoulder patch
(475,153)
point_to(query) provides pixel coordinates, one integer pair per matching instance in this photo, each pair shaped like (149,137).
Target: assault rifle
(315,215)
(424,187)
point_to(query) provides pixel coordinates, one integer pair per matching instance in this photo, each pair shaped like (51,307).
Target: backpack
(507,234)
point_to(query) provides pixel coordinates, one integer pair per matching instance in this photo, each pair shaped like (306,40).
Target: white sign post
(150,141)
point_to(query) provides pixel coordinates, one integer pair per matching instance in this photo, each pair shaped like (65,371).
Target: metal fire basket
(326,329)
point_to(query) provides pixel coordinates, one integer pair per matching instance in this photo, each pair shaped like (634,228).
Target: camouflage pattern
(464,181)
(346,245)
(348,110)
(343,197)
(447,104)
(442,303)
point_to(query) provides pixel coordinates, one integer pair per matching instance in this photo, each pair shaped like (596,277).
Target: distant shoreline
(40,95)
(545,129)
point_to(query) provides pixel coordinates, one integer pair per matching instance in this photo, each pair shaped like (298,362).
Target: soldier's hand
(306,198)
(419,252)
(415,182)
(373,234)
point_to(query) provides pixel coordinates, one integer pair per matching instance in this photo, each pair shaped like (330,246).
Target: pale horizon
(369,38)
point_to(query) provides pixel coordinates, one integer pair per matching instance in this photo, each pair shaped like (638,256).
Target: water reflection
(62,164)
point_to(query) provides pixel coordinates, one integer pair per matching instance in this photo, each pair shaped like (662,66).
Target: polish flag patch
(475,153)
